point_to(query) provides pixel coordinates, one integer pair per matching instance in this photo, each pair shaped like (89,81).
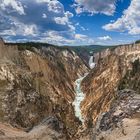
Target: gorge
(52,93)
(79,97)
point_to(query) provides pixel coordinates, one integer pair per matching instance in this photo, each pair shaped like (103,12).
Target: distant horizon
(33,41)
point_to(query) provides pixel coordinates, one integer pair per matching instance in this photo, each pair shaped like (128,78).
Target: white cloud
(106,7)
(81,36)
(12,5)
(24,18)
(105,38)
(65,19)
(43,1)
(30,30)
(6,32)
(81,27)
(68,14)
(55,6)
(84,38)
(39,20)
(44,15)
(26,30)
(55,37)
(129,21)
(61,20)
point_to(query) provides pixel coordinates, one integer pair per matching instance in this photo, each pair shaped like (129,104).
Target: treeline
(29,45)
(138,41)
(38,45)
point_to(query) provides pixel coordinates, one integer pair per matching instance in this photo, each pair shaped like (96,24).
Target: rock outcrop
(38,84)
(122,121)
(48,129)
(131,80)
(37,93)
(102,82)
(117,69)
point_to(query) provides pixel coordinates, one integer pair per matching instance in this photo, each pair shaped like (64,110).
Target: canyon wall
(102,83)
(37,91)
(39,84)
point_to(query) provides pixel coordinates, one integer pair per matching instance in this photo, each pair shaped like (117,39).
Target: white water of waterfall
(91,63)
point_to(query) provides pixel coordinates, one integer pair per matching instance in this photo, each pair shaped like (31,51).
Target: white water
(91,63)
(79,98)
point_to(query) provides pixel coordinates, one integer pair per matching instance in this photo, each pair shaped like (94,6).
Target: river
(79,95)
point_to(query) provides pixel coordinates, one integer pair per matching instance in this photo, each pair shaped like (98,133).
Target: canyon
(53,93)
(38,85)
(112,66)
(105,87)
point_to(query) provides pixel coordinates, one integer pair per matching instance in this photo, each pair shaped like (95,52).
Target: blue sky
(70,22)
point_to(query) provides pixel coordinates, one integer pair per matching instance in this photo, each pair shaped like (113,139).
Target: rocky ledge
(122,121)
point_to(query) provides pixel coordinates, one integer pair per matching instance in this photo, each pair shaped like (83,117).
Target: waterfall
(91,63)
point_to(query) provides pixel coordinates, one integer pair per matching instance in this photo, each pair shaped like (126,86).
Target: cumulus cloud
(105,38)
(84,38)
(24,18)
(61,38)
(106,7)
(129,21)
(65,19)
(44,15)
(12,6)
(38,20)
(34,11)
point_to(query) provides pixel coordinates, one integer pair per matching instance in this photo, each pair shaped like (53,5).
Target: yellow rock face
(102,82)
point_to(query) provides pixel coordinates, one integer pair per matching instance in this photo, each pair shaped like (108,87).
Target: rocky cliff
(117,69)
(38,84)
(43,89)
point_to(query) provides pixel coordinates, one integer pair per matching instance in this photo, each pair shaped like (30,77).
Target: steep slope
(49,129)
(122,121)
(85,51)
(102,82)
(48,92)
(131,80)
(38,84)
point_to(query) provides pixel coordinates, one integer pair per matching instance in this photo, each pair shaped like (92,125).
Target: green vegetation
(30,45)
(132,78)
(138,41)
(79,49)
(85,51)
(3,86)
(91,48)
(61,66)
